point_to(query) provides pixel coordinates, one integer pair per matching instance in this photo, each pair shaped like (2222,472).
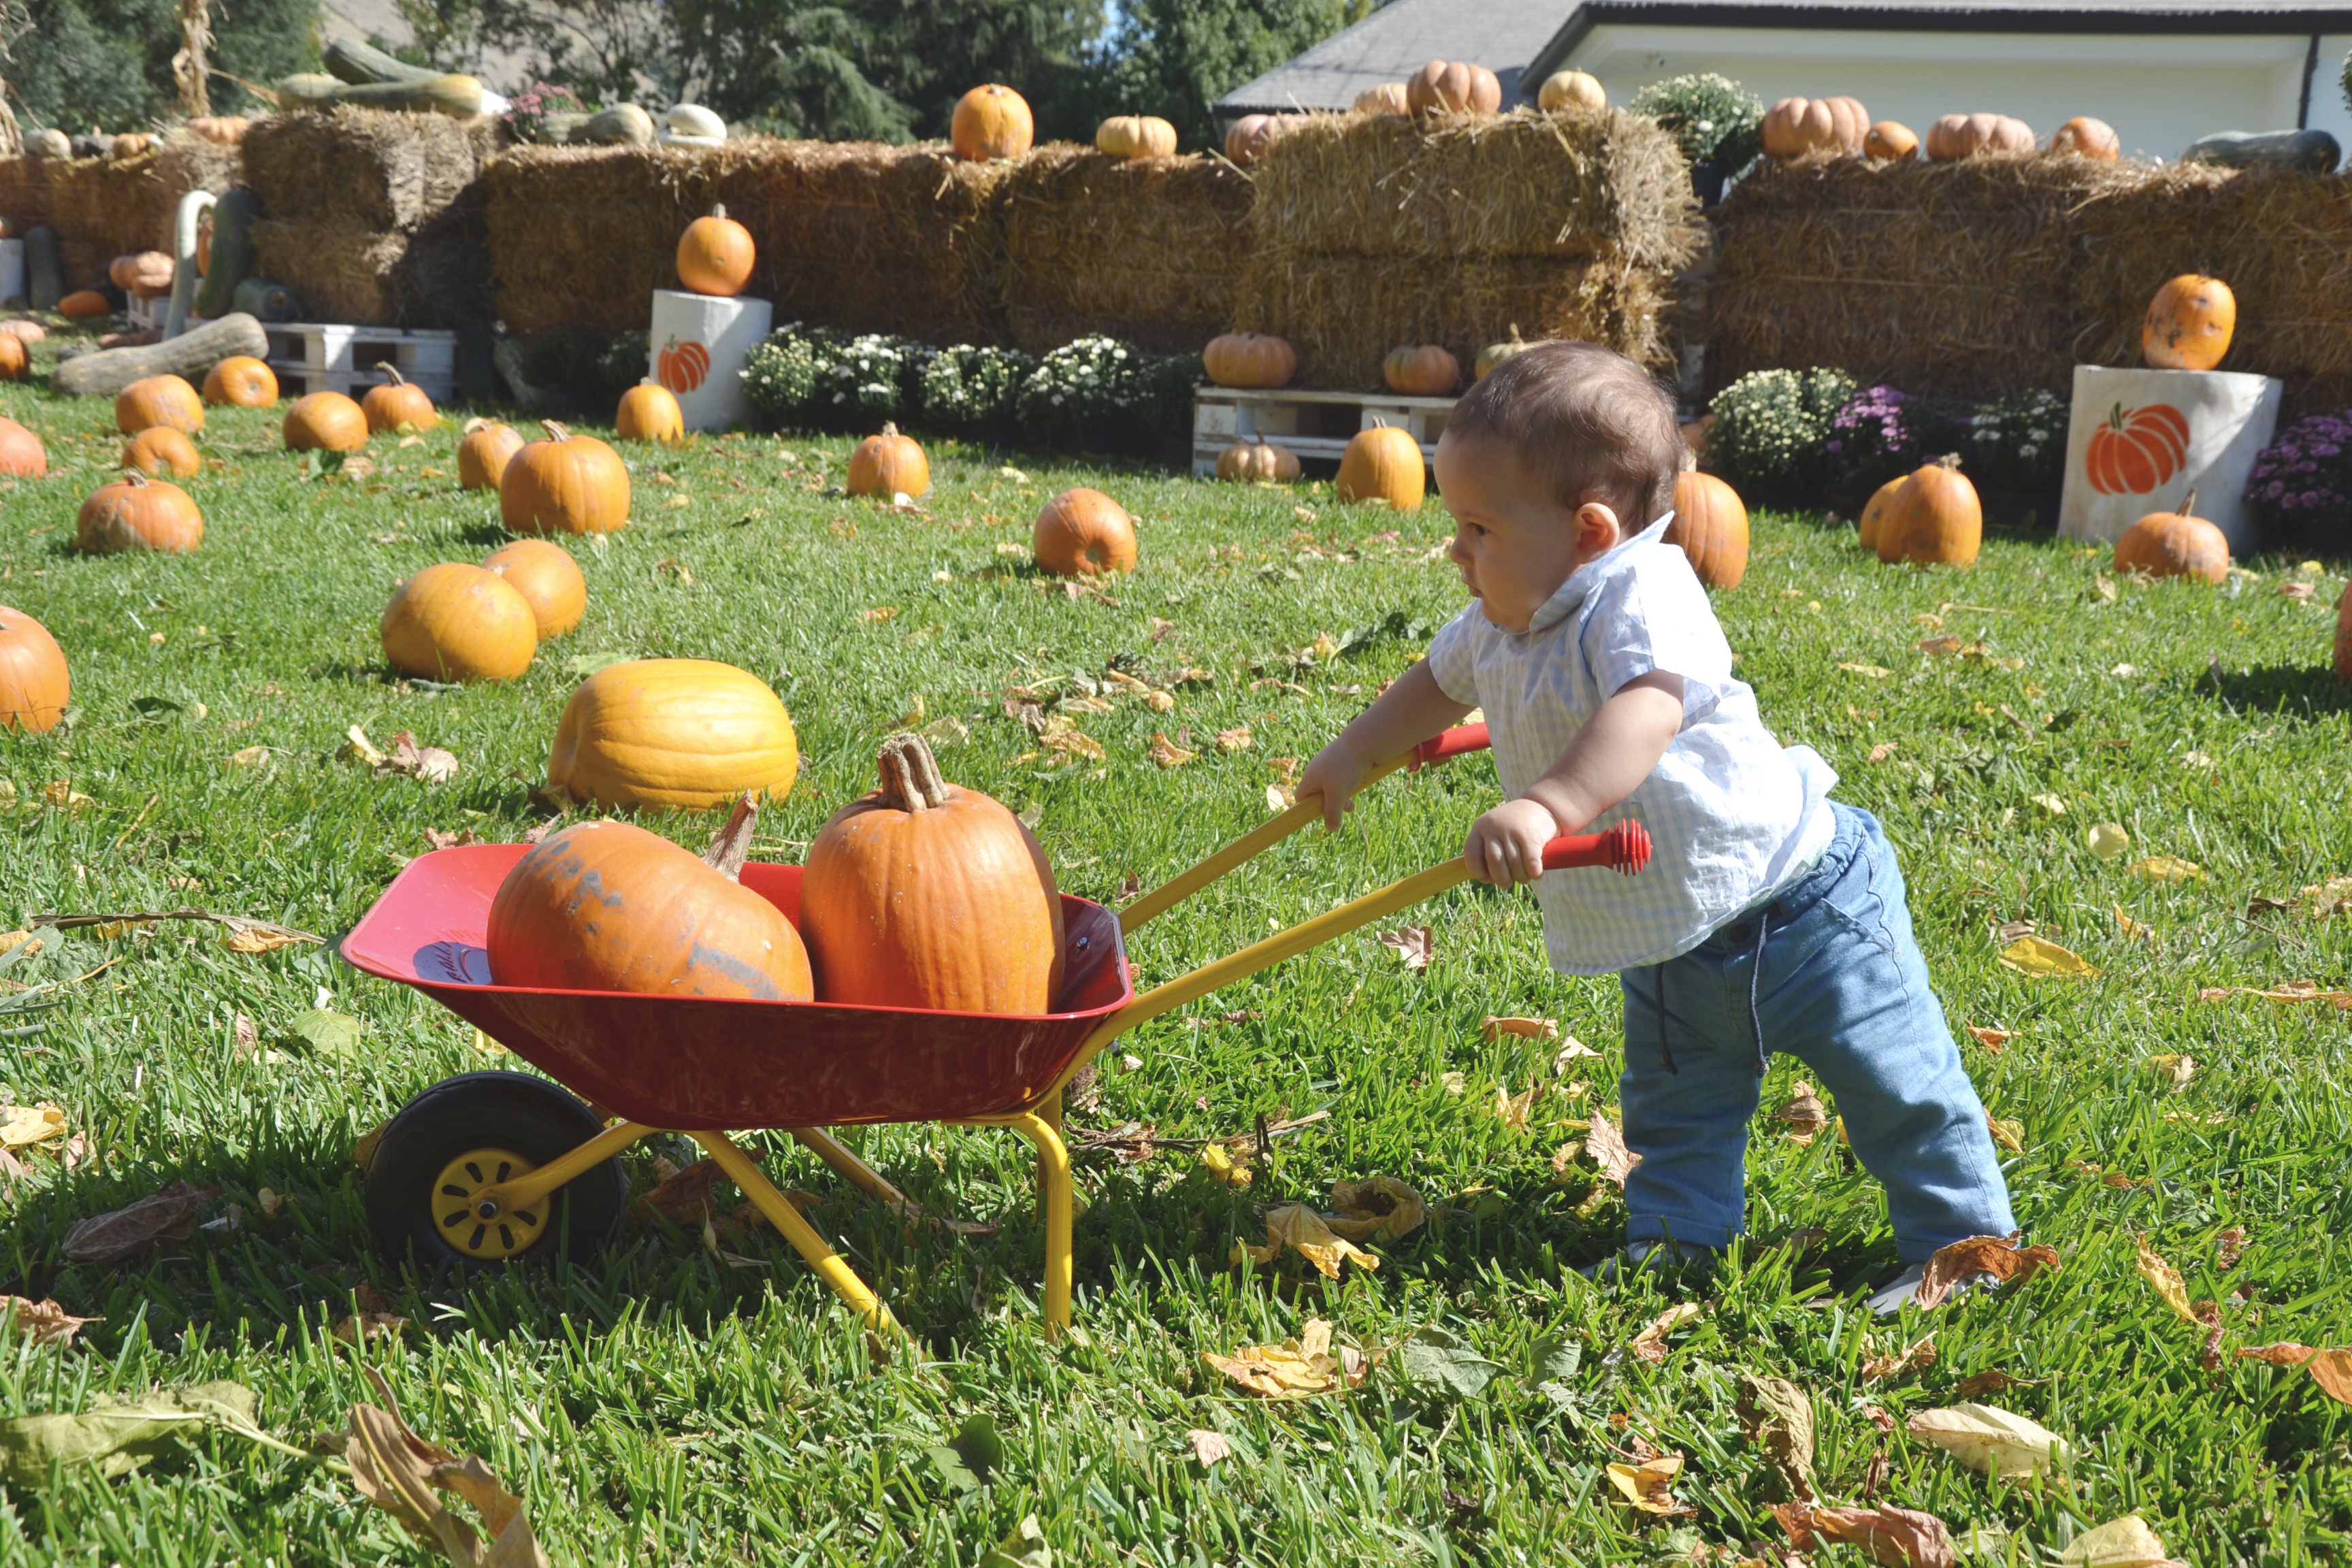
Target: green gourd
(105,372)
(357,63)
(264,300)
(623,125)
(233,256)
(2313,151)
(450,94)
(45,273)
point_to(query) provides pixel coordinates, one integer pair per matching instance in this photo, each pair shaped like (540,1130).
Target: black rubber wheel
(468,1131)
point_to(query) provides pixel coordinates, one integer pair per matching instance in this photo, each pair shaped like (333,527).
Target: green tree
(1176,57)
(86,65)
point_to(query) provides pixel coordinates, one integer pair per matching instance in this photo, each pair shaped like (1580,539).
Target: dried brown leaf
(1208,1448)
(402,1474)
(1414,944)
(1650,1345)
(2164,1281)
(1897,1537)
(1379,1208)
(167,1215)
(1300,1230)
(1495,1029)
(44,1321)
(2229,1246)
(2001,1258)
(1918,1357)
(682,1197)
(1607,1147)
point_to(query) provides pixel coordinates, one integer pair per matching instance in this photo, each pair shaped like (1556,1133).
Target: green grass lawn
(670,1406)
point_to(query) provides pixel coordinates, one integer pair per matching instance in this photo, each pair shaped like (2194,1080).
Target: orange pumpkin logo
(2133,453)
(682,366)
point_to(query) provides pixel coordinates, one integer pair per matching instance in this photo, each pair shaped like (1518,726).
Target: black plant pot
(1707,180)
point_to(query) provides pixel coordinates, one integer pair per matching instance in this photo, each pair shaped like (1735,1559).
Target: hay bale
(340,269)
(1343,313)
(583,235)
(102,207)
(1148,249)
(24,192)
(384,171)
(1566,185)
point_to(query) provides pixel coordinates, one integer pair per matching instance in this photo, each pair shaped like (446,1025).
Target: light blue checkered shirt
(1733,816)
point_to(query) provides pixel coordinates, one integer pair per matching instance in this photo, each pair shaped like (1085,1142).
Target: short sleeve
(1453,654)
(1653,615)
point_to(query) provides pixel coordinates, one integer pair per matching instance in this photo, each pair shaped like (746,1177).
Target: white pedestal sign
(2140,440)
(696,348)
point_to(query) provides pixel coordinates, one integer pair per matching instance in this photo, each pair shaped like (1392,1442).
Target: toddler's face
(1514,542)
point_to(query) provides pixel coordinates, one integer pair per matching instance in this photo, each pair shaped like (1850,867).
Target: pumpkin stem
(2189,503)
(889,431)
(1949,460)
(733,845)
(718,211)
(556,430)
(392,371)
(1514,333)
(910,774)
(136,477)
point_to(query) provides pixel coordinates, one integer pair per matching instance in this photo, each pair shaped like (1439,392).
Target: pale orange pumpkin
(1935,519)
(1957,136)
(35,682)
(1251,462)
(456,622)
(241,381)
(1136,136)
(25,330)
(2174,544)
(1083,532)
(325,422)
(14,358)
(1387,98)
(1248,138)
(160,450)
(159,400)
(991,121)
(1796,126)
(1890,141)
(2190,323)
(926,894)
(225,129)
(673,733)
(1874,511)
(483,455)
(888,465)
(549,580)
(1452,87)
(2087,138)
(136,513)
(398,404)
(607,906)
(1572,89)
(715,256)
(1711,526)
(564,484)
(1382,465)
(22,456)
(145,275)
(1249,359)
(1421,370)
(649,412)
(85,304)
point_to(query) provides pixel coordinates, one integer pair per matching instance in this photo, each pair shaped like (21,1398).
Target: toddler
(1770,918)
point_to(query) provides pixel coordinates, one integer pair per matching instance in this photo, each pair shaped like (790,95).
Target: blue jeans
(1828,973)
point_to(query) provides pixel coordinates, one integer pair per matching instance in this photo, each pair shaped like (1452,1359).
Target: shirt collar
(1582,582)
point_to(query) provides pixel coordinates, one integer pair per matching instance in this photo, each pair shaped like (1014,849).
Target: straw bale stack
(583,235)
(1148,249)
(103,207)
(1370,231)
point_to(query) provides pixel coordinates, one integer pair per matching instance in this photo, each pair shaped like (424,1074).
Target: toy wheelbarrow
(487,1168)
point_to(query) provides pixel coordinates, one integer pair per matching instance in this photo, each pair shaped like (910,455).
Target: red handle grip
(1624,848)
(1450,744)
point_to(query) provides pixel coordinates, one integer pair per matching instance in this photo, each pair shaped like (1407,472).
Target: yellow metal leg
(745,1173)
(821,1144)
(534,1185)
(1054,1182)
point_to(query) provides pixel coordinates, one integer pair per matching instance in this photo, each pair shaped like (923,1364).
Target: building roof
(1531,38)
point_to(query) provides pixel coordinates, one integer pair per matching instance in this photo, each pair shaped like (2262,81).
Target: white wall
(2160,92)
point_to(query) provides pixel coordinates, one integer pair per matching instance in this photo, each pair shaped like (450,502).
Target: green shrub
(1771,433)
(1716,119)
(2019,442)
(970,390)
(817,378)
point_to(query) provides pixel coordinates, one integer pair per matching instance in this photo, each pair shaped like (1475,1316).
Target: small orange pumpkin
(241,381)
(888,465)
(2087,138)
(1382,465)
(1890,141)
(325,422)
(548,579)
(24,329)
(1258,461)
(1572,89)
(1421,370)
(160,450)
(1957,136)
(991,121)
(1387,98)
(1935,519)
(1452,87)
(84,304)
(564,484)
(1873,512)
(456,622)
(35,682)
(22,456)
(1249,359)
(926,894)
(146,274)
(1795,126)
(2174,544)
(136,513)
(1248,138)
(1136,136)
(15,359)
(1083,532)
(398,404)
(1711,525)
(649,412)
(159,400)
(483,455)
(2190,323)
(715,256)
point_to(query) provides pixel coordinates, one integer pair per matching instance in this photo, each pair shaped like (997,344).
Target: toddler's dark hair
(1585,420)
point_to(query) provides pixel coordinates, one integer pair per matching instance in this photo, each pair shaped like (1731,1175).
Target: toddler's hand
(1506,844)
(1334,774)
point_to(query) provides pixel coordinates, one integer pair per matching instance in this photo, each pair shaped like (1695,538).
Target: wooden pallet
(1314,424)
(318,356)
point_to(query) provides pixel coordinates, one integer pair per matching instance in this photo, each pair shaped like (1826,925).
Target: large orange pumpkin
(1382,464)
(1249,137)
(158,400)
(1421,370)
(2190,323)
(14,358)
(1795,126)
(1874,513)
(548,579)
(673,732)
(2087,138)
(1957,136)
(715,256)
(1452,87)
(1081,532)
(1890,141)
(160,450)
(398,404)
(1249,359)
(564,484)
(325,422)
(1711,525)
(991,121)
(607,906)
(2174,544)
(483,455)
(456,622)
(84,304)
(1933,519)
(137,513)
(35,683)
(22,456)
(888,465)
(926,894)
(241,381)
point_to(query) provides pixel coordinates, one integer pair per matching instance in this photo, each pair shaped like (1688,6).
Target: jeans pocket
(1857,900)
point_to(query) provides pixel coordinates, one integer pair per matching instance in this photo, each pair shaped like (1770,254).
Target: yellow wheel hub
(472,1224)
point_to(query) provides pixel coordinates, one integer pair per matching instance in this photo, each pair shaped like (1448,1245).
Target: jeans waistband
(1738,934)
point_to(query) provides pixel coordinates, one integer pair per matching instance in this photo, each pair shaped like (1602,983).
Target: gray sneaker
(1898,1293)
(1657,1257)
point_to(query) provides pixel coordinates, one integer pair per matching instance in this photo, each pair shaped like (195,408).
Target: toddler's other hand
(1506,844)
(1334,774)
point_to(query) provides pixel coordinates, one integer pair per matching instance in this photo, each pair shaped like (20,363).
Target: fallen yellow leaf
(2037,955)
(2126,1543)
(1301,1230)
(22,1126)
(1379,1208)
(1523,1028)
(1871,672)
(2109,841)
(1986,1437)
(1650,1485)
(1650,1345)
(1167,753)
(1222,1165)
(1295,1369)
(2164,1281)
(1607,1147)
(2167,869)
(1237,739)
(2176,1069)
(1513,1110)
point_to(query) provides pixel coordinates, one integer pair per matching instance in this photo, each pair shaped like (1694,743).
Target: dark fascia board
(1899,18)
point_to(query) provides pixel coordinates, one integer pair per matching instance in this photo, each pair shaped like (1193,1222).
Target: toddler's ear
(1597,531)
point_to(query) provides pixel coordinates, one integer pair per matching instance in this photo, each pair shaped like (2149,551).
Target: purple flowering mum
(2306,473)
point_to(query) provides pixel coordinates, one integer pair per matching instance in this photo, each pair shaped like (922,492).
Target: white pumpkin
(694,126)
(50,144)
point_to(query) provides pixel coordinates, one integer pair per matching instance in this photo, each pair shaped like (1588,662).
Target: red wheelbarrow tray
(707,1063)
